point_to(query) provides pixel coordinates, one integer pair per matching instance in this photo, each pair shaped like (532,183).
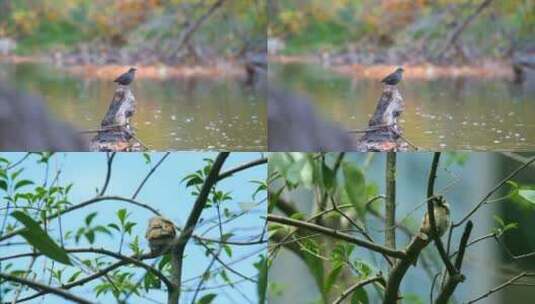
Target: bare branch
(38,286)
(456,278)
(390,201)
(109,162)
(458,31)
(502,286)
(360,284)
(493,190)
(152,170)
(248,165)
(337,235)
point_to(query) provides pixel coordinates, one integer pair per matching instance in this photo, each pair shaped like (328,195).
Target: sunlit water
(443,114)
(174,114)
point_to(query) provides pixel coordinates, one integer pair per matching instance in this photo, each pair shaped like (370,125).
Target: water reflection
(448,114)
(174,114)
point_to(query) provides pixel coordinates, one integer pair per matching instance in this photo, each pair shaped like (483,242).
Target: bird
(126,78)
(442,217)
(160,234)
(393,78)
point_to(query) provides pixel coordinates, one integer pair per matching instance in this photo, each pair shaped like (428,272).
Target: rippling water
(443,114)
(174,114)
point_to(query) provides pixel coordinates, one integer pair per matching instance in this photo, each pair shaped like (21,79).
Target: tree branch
(38,286)
(177,253)
(248,165)
(431,215)
(360,284)
(502,286)
(390,201)
(454,279)
(109,162)
(149,174)
(493,190)
(337,235)
(82,205)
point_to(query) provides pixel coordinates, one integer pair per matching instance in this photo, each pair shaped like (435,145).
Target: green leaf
(121,214)
(360,296)
(328,176)
(261,285)
(147,158)
(114,226)
(89,218)
(301,172)
(207,299)
(228,250)
(527,194)
(15,174)
(354,185)
(194,180)
(333,275)
(3,185)
(39,239)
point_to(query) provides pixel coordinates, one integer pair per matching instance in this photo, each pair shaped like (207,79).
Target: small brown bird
(126,78)
(394,78)
(442,217)
(160,234)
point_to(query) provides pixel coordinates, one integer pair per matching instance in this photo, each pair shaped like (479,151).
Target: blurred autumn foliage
(317,25)
(62,25)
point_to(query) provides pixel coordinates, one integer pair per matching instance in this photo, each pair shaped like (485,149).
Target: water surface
(442,114)
(173,114)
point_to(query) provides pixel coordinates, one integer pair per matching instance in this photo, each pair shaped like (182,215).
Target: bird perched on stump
(126,78)
(160,234)
(393,78)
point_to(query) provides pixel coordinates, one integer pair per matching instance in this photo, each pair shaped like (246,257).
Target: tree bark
(383,132)
(116,132)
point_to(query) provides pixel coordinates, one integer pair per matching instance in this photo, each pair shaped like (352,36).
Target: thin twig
(108,172)
(493,190)
(354,287)
(337,235)
(38,286)
(245,166)
(152,170)
(502,286)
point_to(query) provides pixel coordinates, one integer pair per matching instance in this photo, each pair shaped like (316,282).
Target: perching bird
(393,78)
(442,217)
(126,78)
(160,234)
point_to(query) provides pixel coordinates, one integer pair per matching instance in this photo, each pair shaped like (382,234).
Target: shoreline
(223,68)
(488,69)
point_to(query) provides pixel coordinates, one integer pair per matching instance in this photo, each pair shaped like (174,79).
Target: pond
(173,114)
(441,114)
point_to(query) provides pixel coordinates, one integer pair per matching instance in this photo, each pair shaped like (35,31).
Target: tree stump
(116,133)
(383,132)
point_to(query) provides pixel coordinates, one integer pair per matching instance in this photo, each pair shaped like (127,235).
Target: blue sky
(165,193)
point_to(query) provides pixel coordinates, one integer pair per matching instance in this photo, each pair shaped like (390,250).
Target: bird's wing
(386,78)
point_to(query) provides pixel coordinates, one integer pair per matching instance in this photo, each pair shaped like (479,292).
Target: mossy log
(116,132)
(384,132)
